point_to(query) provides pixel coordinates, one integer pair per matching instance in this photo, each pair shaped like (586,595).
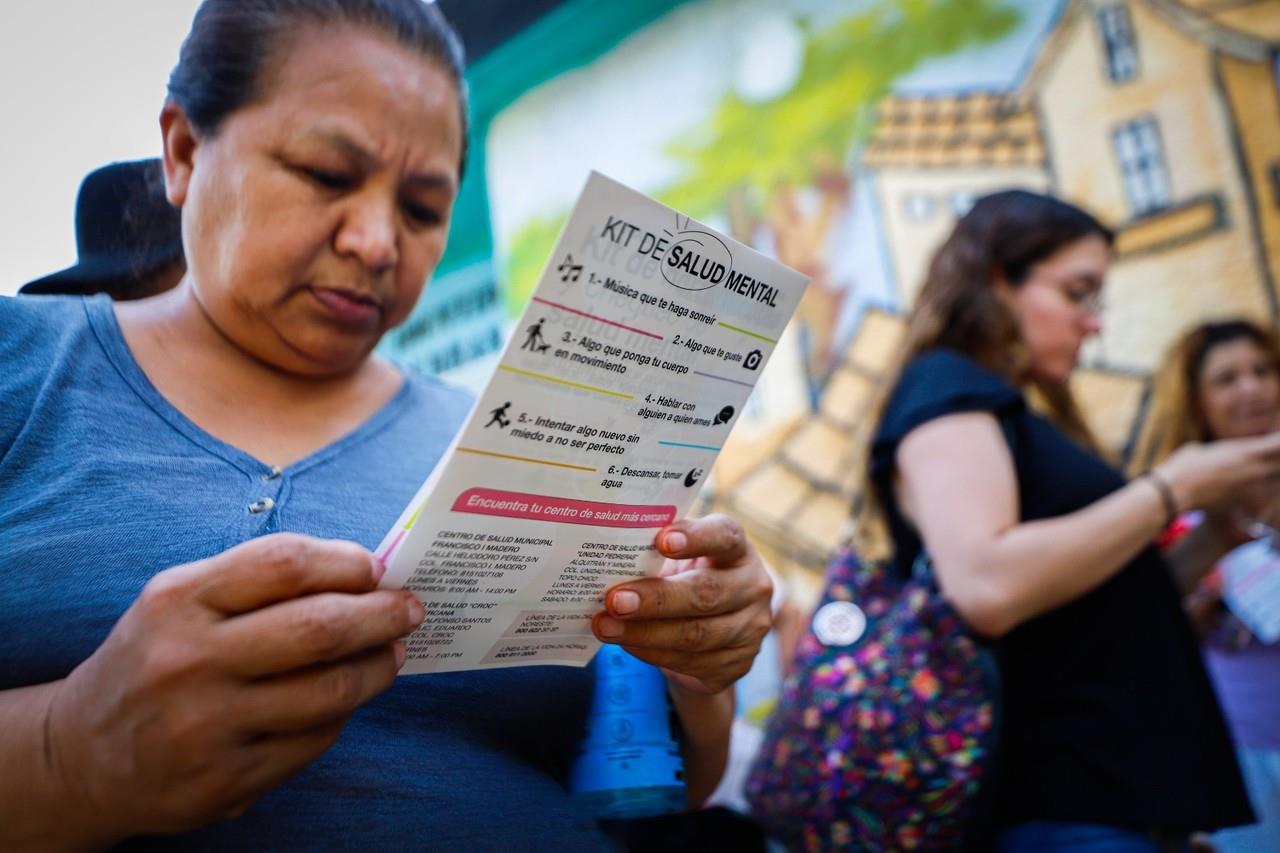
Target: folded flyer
(633,359)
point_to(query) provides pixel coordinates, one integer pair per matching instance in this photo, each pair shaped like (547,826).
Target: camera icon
(752,361)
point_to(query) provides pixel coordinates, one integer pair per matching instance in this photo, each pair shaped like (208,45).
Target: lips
(1258,418)
(348,307)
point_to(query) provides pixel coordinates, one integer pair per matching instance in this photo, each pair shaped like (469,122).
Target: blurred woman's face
(1057,307)
(1239,390)
(314,215)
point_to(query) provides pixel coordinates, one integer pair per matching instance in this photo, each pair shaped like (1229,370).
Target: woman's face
(1057,306)
(314,215)
(1239,390)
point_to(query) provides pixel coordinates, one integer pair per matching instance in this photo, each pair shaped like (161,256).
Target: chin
(1246,428)
(332,358)
(1054,375)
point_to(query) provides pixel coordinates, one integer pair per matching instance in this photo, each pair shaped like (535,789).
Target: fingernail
(610,628)
(400,653)
(676,541)
(415,610)
(379,569)
(625,601)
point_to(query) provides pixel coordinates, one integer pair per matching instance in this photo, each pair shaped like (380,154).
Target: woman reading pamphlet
(196,653)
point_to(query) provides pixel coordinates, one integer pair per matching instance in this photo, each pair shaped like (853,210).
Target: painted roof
(964,130)
(1248,29)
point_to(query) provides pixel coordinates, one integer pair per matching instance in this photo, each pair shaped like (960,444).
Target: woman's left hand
(703,617)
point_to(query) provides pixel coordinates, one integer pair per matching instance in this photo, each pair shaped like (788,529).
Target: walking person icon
(533,337)
(499,416)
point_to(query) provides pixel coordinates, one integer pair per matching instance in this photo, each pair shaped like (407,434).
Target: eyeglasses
(1083,292)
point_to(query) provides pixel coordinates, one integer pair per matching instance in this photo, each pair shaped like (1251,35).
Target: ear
(1001,286)
(180,144)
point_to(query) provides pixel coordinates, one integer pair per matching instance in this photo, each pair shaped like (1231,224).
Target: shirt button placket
(271,482)
(262,505)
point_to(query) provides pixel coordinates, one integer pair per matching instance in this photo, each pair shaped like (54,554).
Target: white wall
(81,85)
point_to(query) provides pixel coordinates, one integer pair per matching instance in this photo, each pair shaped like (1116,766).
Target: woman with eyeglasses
(1110,736)
(1221,380)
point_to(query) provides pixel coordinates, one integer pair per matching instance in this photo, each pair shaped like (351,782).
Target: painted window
(917,206)
(1117,40)
(1141,158)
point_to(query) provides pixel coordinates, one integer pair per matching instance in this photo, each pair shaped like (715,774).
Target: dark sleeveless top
(1109,715)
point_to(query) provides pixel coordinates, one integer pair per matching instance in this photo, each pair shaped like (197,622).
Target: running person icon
(499,416)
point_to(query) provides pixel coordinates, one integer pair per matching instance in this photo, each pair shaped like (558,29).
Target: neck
(273,414)
(175,325)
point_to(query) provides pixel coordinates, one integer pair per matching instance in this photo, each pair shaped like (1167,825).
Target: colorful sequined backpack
(886,730)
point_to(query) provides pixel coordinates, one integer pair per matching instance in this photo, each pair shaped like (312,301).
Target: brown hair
(1175,415)
(1004,234)
(224,56)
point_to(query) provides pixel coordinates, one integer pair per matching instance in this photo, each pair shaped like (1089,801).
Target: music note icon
(569,271)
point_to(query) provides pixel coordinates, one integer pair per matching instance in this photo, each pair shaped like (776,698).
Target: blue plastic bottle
(629,764)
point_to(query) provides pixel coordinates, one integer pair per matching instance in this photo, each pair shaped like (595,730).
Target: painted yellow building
(1164,118)
(1246,41)
(1139,127)
(1160,117)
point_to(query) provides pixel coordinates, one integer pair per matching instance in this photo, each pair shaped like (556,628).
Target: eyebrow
(366,160)
(1094,282)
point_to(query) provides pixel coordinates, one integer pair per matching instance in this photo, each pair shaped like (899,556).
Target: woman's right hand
(223,678)
(1219,475)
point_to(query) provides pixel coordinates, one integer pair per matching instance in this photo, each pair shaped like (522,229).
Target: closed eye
(328,180)
(422,214)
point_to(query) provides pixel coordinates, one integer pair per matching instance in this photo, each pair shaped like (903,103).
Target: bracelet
(1166,496)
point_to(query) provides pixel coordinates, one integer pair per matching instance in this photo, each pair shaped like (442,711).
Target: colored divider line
(525,459)
(723,378)
(694,446)
(546,378)
(395,543)
(751,334)
(595,317)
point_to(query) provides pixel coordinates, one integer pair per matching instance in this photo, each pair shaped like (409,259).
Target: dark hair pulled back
(223,57)
(1006,233)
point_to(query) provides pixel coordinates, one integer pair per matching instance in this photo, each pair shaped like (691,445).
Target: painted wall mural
(844,138)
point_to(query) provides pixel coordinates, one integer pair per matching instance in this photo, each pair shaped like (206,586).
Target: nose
(1249,383)
(1091,322)
(368,233)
